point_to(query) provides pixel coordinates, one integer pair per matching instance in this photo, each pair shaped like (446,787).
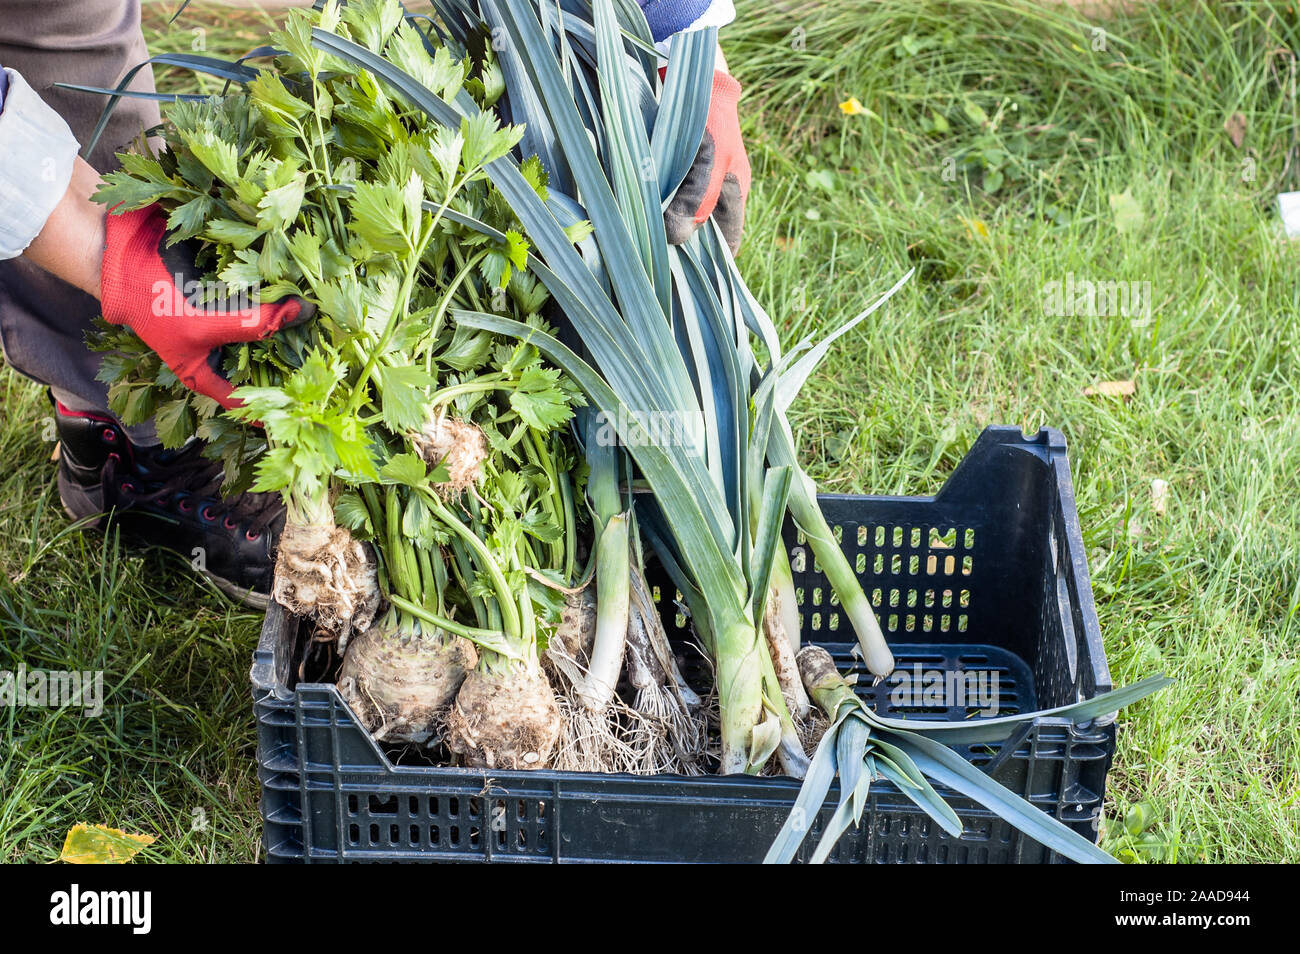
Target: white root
(679,735)
(657,733)
(658,637)
(619,739)
(591,739)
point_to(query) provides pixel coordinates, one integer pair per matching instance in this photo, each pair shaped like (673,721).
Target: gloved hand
(717,183)
(142,286)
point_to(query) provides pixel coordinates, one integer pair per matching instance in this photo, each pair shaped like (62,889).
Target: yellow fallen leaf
(1119,389)
(101,845)
(976,227)
(852,107)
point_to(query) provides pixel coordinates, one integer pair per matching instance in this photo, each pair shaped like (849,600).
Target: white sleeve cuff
(718,14)
(37,153)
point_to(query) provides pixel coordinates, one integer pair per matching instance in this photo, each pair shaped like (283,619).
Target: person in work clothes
(64,261)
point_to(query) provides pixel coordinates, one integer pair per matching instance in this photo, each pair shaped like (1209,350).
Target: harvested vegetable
(458,447)
(401,676)
(505,718)
(323,573)
(862,747)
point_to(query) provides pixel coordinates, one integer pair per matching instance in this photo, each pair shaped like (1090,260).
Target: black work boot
(169,499)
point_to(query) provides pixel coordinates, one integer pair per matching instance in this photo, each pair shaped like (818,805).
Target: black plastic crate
(988,575)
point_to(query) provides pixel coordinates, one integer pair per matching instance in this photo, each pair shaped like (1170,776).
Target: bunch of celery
(426,468)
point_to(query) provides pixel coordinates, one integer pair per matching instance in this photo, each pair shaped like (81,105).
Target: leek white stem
(740,692)
(658,638)
(613,597)
(790,753)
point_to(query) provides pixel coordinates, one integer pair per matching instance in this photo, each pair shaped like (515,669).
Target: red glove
(143,284)
(717,184)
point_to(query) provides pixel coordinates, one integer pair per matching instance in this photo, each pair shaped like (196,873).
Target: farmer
(63,262)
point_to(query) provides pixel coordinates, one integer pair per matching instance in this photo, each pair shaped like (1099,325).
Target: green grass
(172,754)
(1037,129)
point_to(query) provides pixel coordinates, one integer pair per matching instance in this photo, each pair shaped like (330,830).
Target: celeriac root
(400,683)
(457,445)
(323,573)
(577,629)
(505,720)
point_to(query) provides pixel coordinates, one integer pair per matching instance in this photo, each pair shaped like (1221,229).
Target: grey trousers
(43,320)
